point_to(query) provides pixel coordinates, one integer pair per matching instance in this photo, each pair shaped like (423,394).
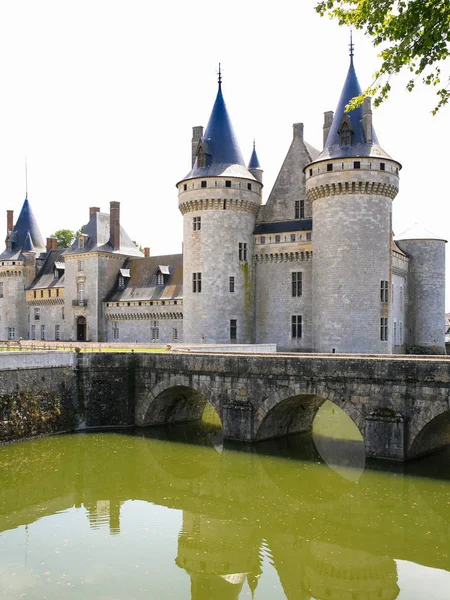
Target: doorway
(81,329)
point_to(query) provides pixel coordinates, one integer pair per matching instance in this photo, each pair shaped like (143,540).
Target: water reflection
(327,533)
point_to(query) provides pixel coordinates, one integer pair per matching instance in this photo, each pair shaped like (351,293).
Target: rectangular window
(308,236)
(401,333)
(297,284)
(249,186)
(81,242)
(227,183)
(37,314)
(197,223)
(231,284)
(233,329)
(357,164)
(42,332)
(35,294)
(395,333)
(196,282)
(263,239)
(203,184)
(393,295)
(242,251)
(277,239)
(62,313)
(80,293)
(11,333)
(384,294)
(57,333)
(121,282)
(57,292)
(383,329)
(185,187)
(81,265)
(115,331)
(42,293)
(155,331)
(33,332)
(292,237)
(297,210)
(382,166)
(175,334)
(329,166)
(401,298)
(1,290)
(296,326)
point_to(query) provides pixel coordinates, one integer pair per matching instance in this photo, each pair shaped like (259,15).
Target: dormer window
(159,278)
(162,274)
(345,133)
(121,282)
(124,275)
(201,157)
(81,242)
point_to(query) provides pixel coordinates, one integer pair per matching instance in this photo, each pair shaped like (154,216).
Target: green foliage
(65,237)
(414,36)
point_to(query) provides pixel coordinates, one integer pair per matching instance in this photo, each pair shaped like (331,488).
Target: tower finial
(253,143)
(219,73)
(26,179)
(351,45)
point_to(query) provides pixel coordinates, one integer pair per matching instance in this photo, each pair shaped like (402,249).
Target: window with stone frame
(81,265)
(175,334)
(296,327)
(384,291)
(57,333)
(115,331)
(196,283)
(197,223)
(37,314)
(233,329)
(242,251)
(43,333)
(231,284)
(384,329)
(33,332)
(201,157)
(159,278)
(154,331)
(1,290)
(11,333)
(297,283)
(345,134)
(80,293)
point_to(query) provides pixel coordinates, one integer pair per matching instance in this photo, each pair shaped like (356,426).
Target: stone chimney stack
(197,134)
(114,224)
(367,119)
(9,220)
(54,244)
(327,120)
(298,130)
(146,252)
(49,244)
(93,210)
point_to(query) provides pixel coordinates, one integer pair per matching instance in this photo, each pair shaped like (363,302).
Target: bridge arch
(174,399)
(430,431)
(293,410)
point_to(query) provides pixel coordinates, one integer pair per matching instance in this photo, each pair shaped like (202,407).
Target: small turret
(254,167)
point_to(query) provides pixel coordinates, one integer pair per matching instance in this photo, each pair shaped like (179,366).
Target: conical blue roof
(28,244)
(26,226)
(222,153)
(254,161)
(359,145)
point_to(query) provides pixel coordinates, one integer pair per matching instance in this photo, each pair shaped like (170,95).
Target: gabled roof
(46,275)
(96,234)
(359,145)
(222,153)
(25,235)
(142,284)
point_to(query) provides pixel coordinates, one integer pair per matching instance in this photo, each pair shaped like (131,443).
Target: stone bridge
(401,405)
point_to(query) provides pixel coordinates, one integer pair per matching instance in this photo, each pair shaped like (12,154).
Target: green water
(174,514)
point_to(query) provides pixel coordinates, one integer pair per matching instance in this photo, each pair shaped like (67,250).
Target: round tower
(219,200)
(425,325)
(351,186)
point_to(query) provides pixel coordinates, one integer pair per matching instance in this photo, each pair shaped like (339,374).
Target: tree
(414,35)
(65,237)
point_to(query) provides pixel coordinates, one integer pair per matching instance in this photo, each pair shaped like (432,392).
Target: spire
(28,244)
(218,149)
(254,161)
(361,142)
(26,227)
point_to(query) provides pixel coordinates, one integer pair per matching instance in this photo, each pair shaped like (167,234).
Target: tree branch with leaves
(414,35)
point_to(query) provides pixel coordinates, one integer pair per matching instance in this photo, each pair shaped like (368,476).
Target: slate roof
(254,160)
(25,236)
(46,276)
(283,226)
(96,234)
(222,152)
(142,282)
(359,145)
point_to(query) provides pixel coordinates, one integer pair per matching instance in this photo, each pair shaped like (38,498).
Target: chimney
(146,252)
(49,244)
(367,119)
(327,120)
(197,134)
(298,130)
(9,220)
(54,244)
(114,224)
(92,211)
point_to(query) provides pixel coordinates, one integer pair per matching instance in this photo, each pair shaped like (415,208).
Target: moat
(175,513)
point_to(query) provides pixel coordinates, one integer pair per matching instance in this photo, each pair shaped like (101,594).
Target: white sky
(101,97)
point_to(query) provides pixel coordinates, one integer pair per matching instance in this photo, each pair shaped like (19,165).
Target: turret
(426,291)
(219,199)
(351,185)
(254,167)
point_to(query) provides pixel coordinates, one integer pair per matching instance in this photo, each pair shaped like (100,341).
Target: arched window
(345,134)
(201,158)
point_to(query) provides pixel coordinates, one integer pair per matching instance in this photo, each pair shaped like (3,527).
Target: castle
(316,268)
